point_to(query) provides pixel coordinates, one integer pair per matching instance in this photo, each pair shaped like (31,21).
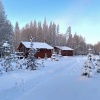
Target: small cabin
(43,49)
(64,50)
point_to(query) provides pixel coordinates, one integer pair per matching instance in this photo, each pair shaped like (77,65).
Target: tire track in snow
(76,68)
(75,65)
(19,82)
(43,78)
(58,72)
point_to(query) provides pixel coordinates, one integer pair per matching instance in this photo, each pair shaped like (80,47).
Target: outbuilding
(64,50)
(43,49)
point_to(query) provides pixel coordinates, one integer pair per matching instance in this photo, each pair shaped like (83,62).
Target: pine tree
(68,32)
(50,34)
(70,41)
(31,60)
(6,29)
(58,28)
(35,30)
(45,30)
(27,32)
(7,58)
(39,33)
(54,34)
(16,36)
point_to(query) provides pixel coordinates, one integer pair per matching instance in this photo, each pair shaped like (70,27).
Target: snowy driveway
(58,80)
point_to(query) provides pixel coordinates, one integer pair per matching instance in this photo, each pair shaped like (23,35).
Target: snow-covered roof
(37,45)
(64,48)
(89,49)
(6,44)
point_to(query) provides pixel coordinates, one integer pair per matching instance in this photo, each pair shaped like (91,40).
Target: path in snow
(18,82)
(55,87)
(56,81)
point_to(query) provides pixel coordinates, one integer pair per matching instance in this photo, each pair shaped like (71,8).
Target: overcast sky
(82,15)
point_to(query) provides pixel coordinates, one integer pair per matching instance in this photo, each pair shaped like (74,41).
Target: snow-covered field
(58,80)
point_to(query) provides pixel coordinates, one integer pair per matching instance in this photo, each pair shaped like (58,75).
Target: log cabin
(64,50)
(43,49)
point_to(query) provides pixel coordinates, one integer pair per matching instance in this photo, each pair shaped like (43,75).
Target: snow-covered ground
(58,80)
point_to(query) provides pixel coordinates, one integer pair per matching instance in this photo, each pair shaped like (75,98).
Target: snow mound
(82,78)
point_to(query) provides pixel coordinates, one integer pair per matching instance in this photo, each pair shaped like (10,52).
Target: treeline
(40,32)
(97,48)
(77,42)
(49,34)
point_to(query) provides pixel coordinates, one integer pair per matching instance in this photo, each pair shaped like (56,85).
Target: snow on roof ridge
(89,48)
(64,48)
(42,45)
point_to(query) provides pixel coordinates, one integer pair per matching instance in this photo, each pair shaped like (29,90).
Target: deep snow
(58,80)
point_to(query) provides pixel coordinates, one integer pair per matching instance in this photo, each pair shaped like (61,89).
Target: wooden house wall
(64,52)
(67,53)
(22,48)
(41,52)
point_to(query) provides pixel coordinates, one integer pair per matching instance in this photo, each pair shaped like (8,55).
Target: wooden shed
(65,51)
(43,49)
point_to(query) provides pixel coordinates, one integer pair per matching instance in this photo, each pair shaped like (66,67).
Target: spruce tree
(68,32)
(31,60)
(16,36)
(6,29)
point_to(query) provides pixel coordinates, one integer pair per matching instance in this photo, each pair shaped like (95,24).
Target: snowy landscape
(49,50)
(58,80)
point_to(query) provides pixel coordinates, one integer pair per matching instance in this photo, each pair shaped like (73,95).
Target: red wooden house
(43,49)
(65,51)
